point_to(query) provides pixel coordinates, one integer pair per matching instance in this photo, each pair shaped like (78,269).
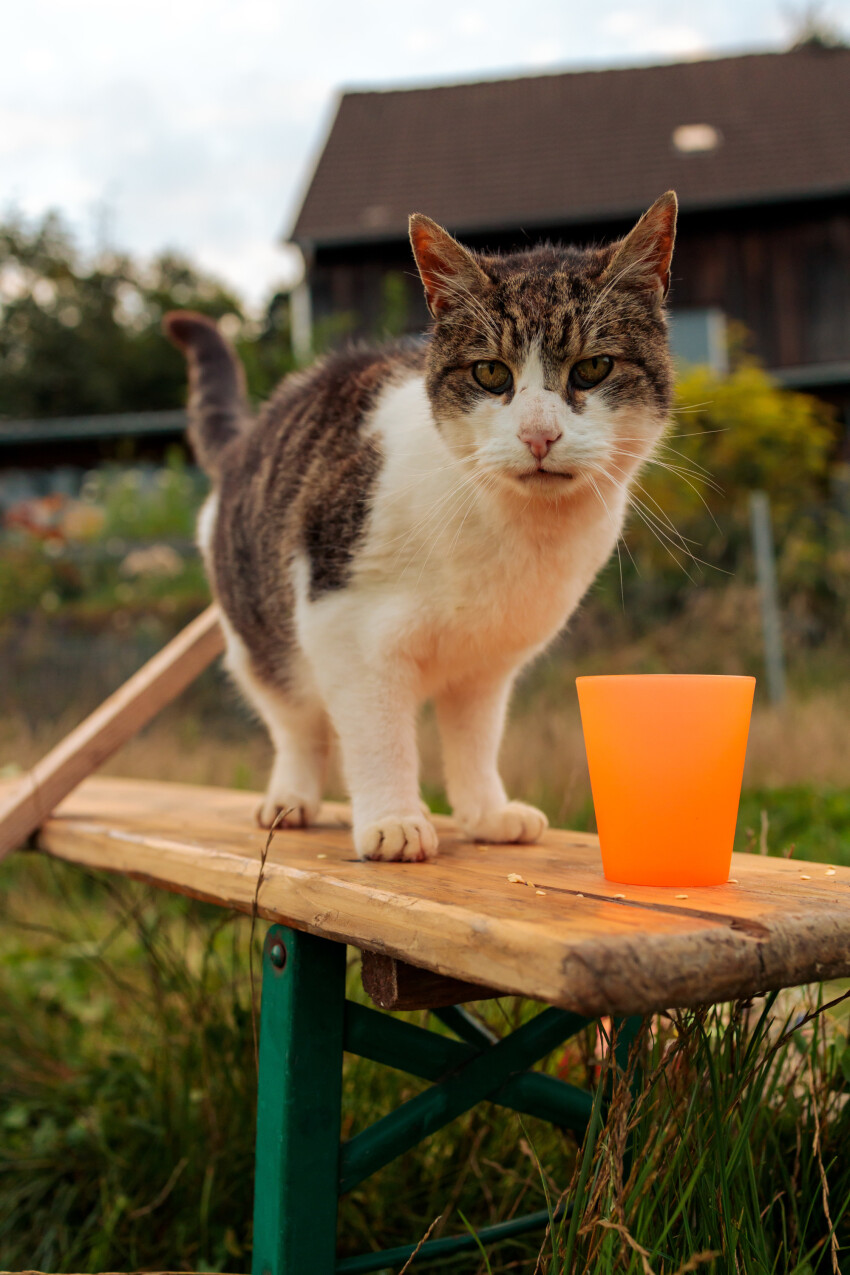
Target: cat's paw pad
(514,822)
(287,811)
(408,837)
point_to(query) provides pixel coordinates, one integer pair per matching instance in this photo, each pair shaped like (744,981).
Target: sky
(195,124)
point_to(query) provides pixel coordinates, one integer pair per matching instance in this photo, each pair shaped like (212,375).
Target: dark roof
(581,146)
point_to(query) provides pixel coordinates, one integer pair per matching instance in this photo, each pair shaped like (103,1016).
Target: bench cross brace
(301,1168)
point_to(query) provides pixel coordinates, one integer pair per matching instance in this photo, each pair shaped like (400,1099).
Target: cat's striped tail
(218,406)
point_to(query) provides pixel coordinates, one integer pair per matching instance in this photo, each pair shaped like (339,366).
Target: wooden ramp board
(583,943)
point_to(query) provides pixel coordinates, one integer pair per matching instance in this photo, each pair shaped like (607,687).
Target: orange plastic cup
(666,757)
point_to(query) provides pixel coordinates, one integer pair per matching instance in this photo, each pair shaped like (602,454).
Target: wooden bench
(538,921)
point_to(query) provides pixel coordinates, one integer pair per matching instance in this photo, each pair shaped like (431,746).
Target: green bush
(690,524)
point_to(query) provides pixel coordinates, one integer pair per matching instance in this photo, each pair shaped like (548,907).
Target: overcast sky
(195,123)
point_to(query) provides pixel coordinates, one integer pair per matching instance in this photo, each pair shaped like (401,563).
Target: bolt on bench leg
(298,1104)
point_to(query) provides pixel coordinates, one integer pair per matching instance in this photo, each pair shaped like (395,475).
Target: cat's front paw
(514,822)
(287,810)
(408,837)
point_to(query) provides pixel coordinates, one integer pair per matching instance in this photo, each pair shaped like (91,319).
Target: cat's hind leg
(301,735)
(300,732)
(471,717)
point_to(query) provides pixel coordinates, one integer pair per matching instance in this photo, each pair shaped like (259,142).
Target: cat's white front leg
(471,718)
(375,717)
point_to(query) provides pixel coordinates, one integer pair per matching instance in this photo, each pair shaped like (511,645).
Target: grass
(801,822)
(127,1090)
(739,1131)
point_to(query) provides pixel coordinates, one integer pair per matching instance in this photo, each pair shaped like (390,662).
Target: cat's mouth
(546,475)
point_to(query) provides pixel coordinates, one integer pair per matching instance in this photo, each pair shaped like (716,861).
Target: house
(757,147)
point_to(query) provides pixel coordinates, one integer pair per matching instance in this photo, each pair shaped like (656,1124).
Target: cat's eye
(492,375)
(589,372)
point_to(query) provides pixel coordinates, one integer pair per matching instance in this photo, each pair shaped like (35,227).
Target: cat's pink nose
(539,441)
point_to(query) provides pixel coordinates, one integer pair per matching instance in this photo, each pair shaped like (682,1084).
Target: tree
(79,339)
(813,27)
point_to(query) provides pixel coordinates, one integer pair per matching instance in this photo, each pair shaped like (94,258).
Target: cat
(419,520)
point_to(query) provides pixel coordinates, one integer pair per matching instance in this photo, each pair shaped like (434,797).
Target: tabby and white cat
(418,521)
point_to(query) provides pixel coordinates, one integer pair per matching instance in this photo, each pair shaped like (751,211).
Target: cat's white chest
(452,578)
(498,598)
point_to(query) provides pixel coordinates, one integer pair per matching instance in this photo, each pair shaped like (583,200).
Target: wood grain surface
(395,984)
(563,934)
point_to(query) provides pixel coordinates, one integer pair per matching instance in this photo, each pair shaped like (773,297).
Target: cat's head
(549,369)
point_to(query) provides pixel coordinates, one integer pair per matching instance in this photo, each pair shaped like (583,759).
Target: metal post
(774,657)
(298,1104)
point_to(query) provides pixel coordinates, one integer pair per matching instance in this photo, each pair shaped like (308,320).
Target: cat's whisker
(595,487)
(465,506)
(664,444)
(674,544)
(681,542)
(620,487)
(701,433)
(456,494)
(450,287)
(691,467)
(453,498)
(694,407)
(661,516)
(470,504)
(662,540)
(632,265)
(681,471)
(683,474)
(686,476)
(423,475)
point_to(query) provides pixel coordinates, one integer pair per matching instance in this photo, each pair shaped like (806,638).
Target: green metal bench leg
(301,1167)
(627,1031)
(298,1104)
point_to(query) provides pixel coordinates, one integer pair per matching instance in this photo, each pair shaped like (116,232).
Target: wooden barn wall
(782,271)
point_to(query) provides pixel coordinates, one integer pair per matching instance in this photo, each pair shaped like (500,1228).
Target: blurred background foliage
(81,337)
(690,522)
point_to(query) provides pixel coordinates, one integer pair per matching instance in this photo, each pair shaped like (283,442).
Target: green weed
(801,822)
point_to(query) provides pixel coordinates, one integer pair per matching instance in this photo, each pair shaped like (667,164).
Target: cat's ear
(447,270)
(642,259)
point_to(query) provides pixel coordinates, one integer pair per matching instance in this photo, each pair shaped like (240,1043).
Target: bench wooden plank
(583,943)
(27,802)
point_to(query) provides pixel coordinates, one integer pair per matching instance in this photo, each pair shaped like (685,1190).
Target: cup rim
(666,677)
